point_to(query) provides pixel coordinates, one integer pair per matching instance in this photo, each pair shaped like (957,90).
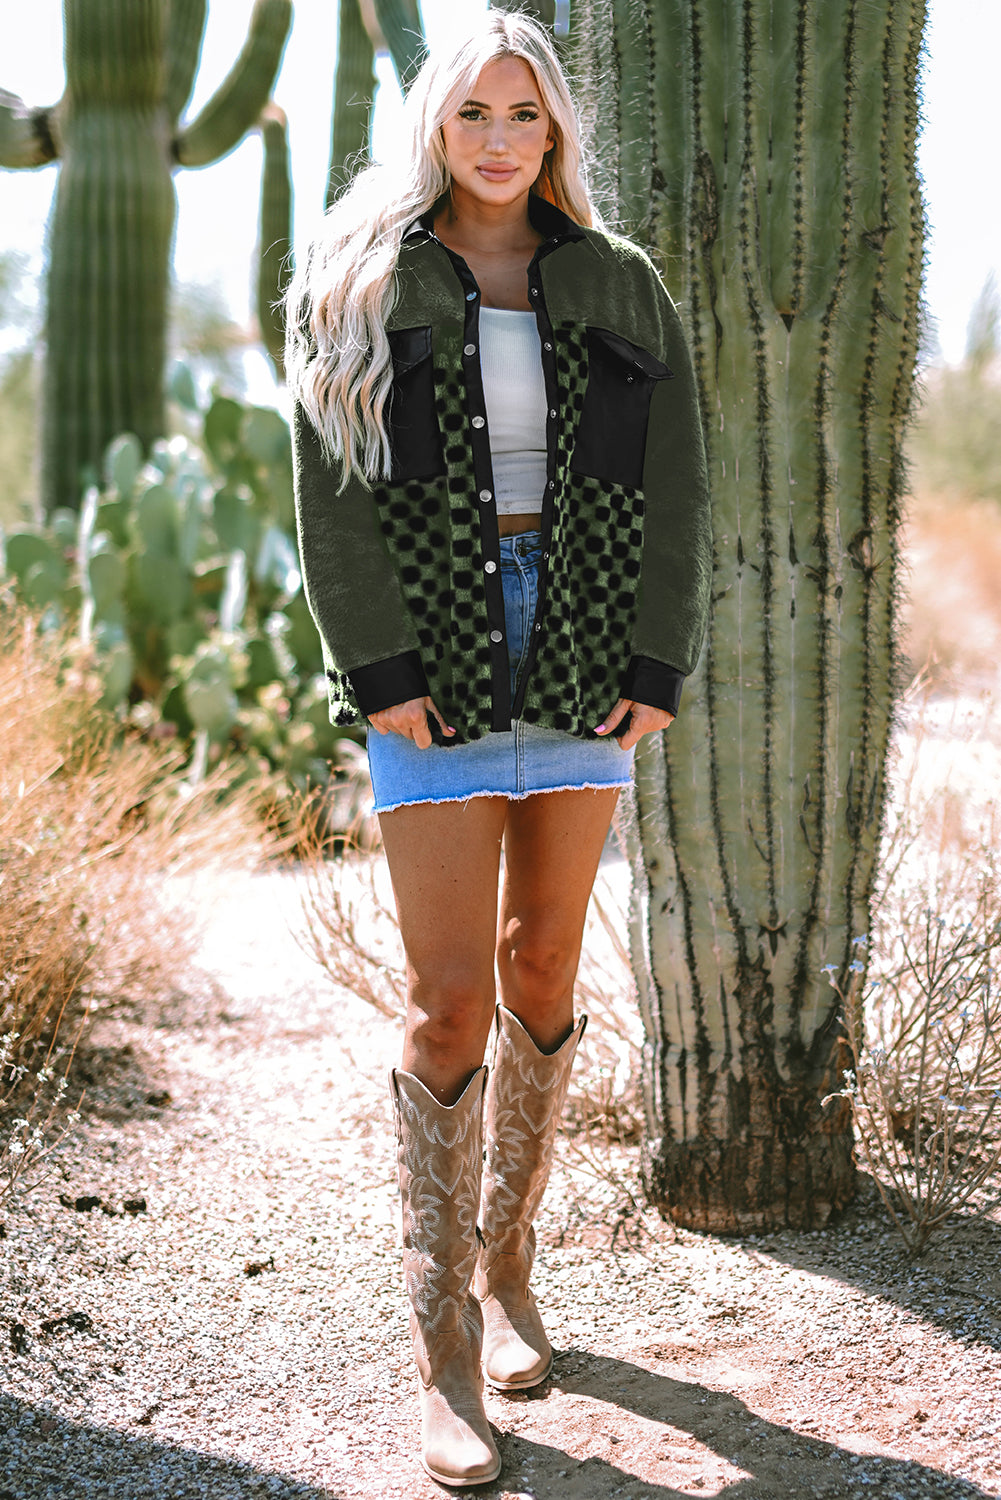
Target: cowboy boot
(440,1158)
(524,1103)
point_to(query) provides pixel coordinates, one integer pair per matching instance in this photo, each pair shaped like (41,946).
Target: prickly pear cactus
(181,577)
(766,153)
(130,68)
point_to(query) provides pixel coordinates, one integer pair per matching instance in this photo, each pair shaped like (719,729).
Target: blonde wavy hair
(337,357)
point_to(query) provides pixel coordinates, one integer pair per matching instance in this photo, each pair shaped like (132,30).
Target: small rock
(258,1267)
(83,1204)
(133,1205)
(76,1322)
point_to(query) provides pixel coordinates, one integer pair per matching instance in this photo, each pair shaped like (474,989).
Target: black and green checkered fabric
(399,568)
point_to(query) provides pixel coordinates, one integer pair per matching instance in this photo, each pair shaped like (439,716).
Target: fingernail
(601,729)
(449,729)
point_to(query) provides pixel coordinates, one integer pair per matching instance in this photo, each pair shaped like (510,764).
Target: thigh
(444,860)
(552,845)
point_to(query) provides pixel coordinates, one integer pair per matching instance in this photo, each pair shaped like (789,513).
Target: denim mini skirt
(513,763)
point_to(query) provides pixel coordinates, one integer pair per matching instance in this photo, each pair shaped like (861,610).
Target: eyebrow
(525,104)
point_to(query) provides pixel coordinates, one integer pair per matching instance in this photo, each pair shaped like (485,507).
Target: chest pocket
(413,422)
(611,434)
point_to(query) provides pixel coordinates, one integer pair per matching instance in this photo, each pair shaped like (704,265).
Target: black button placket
(548,343)
(485,501)
(500,669)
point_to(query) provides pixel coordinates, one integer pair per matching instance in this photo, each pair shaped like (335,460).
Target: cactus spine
(766,151)
(130,66)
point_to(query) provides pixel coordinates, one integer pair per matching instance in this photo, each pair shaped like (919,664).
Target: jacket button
(552,411)
(548,348)
(486,496)
(490,567)
(537,629)
(479,422)
(469,349)
(534,291)
(496,635)
(470,296)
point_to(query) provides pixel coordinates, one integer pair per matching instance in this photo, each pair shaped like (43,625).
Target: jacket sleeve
(351,586)
(674,584)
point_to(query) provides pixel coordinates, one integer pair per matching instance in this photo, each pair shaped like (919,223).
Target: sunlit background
(218,205)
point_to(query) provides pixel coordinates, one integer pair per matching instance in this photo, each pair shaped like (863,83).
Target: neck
(486,226)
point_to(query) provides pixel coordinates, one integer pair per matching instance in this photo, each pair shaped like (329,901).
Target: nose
(497,136)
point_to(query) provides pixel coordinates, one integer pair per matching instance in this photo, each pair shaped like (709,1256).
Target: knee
(541,965)
(451,1014)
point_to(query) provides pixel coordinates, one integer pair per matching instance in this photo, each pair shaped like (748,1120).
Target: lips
(496,173)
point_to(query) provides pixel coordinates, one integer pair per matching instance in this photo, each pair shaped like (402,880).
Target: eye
(470,113)
(527,116)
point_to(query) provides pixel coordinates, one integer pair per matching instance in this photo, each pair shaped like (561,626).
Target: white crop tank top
(515,394)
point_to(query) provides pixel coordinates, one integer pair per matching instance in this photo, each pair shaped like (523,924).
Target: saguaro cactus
(766,150)
(365,27)
(130,68)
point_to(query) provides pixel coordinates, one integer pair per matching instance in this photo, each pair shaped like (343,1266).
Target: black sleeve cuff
(383,684)
(653,683)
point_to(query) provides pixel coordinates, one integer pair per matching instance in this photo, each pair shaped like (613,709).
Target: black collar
(551,222)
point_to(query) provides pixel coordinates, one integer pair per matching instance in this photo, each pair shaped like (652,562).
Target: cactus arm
(237,103)
(276,234)
(185,33)
(400,24)
(354,89)
(26,138)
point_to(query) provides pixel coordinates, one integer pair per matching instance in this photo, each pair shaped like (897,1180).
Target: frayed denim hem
(539,791)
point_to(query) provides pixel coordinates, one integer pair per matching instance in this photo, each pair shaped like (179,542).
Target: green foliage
(111,231)
(182,575)
(954,447)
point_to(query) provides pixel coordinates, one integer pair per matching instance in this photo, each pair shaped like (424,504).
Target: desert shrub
(93,824)
(181,574)
(924,1016)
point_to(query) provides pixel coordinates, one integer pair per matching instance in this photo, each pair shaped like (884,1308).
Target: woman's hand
(409,719)
(645,720)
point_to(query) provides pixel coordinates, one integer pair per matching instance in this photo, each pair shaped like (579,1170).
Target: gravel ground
(227,1320)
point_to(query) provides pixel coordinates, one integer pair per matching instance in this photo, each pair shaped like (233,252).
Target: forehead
(505,80)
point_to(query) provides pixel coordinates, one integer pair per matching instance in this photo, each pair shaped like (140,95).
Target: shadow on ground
(748,1456)
(45,1457)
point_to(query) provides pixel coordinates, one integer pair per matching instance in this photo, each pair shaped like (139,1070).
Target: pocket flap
(631,354)
(409,347)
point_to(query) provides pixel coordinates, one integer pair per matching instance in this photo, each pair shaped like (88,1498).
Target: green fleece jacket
(402,578)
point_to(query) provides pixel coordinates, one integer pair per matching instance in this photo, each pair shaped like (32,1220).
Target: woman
(502,508)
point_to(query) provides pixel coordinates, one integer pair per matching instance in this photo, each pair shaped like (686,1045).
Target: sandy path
(792,1365)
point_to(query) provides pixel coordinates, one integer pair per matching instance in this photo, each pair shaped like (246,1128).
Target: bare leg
(444,860)
(552,845)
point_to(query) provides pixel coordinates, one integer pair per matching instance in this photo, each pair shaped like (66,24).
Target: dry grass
(952,613)
(91,825)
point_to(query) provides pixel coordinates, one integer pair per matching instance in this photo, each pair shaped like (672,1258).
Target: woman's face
(497,138)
